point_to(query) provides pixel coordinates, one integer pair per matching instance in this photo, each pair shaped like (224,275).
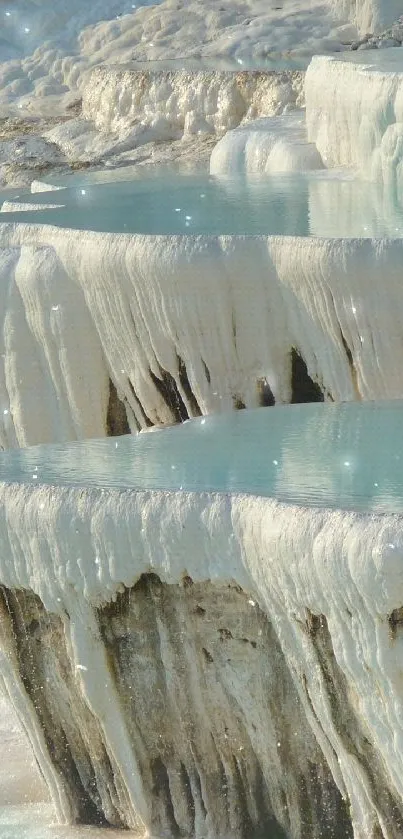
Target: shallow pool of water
(346,456)
(216,63)
(328,204)
(111,173)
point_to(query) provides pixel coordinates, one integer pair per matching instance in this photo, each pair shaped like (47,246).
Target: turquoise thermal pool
(344,456)
(318,204)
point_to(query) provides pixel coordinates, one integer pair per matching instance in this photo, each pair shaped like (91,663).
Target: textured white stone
(54,47)
(368,15)
(344,566)
(354,113)
(79,308)
(271,145)
(43,186)
(168,105)
(20,207)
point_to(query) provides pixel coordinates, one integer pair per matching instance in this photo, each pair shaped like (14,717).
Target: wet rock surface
(212,713)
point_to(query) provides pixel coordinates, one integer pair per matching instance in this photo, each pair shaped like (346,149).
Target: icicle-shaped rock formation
(170,327)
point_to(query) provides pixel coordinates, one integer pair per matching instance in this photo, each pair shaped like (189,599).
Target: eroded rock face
(170,104)
(219,732)
(203,664)
(343,712)
(73,736)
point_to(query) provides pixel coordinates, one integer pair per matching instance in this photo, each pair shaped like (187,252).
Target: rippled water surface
(346,456)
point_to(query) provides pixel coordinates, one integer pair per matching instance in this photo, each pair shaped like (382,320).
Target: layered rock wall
(195,664)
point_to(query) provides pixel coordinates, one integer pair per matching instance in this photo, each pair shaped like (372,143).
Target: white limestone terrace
(48,49)
(49,53)
(104,332)
(153,310)
(113,331)
(168,104)
(354,113)
(270,145)
(136,113)
(148,112)
(81,526)
(352,121)
(157,82)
